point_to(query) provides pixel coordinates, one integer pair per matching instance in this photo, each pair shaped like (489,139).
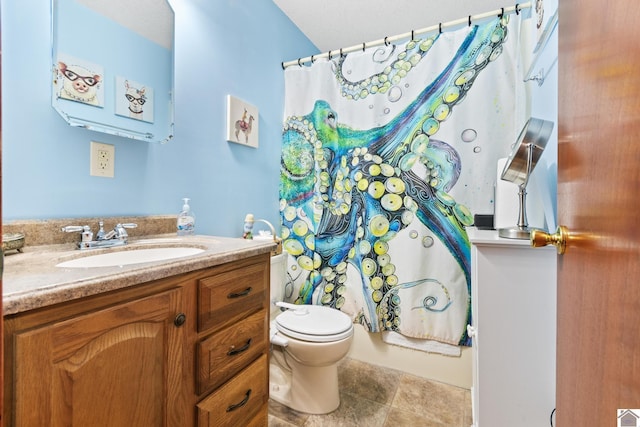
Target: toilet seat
(315,323)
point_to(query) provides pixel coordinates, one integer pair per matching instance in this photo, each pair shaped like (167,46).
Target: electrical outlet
(102,159)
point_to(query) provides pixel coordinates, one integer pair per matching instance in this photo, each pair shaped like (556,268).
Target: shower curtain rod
(411,34)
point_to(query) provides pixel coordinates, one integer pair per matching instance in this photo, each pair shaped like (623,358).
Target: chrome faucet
(116,237)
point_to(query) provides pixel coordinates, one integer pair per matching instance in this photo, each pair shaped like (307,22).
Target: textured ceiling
(335,24)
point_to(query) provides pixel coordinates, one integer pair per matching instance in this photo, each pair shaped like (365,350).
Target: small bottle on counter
(186,220)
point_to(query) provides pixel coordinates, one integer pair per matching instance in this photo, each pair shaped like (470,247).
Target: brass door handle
(559,239)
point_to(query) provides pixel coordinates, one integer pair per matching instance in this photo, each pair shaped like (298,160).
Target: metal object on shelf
(524,156)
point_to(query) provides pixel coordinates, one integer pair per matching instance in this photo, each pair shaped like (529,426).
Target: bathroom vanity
(513,332)
(176,343)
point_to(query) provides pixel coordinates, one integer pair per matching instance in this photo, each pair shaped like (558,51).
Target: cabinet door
(119,366)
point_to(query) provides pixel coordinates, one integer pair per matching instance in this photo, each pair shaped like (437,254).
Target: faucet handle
(87,235)
(121,233)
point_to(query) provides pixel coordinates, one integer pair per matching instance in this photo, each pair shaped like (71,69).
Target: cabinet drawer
(238,400)
(225,298)
(226,352)
(261,419)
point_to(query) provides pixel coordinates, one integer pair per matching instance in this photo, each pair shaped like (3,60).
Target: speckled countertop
(31,279)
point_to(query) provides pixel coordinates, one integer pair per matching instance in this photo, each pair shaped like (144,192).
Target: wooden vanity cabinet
(135,357)
(121,365)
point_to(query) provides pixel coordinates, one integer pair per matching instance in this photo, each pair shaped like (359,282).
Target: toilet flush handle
(300,310)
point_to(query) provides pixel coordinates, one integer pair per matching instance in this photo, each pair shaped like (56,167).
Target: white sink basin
(134,256)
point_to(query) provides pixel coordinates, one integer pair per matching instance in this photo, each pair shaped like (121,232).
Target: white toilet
(307,342)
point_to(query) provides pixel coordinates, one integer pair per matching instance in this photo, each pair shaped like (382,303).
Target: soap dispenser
(186,219)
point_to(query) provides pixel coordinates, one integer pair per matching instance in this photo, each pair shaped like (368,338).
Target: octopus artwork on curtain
(351,199)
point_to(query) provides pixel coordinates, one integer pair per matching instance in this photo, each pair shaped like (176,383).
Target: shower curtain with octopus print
(387,154)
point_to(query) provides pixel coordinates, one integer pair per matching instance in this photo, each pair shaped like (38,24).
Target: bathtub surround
(370,348)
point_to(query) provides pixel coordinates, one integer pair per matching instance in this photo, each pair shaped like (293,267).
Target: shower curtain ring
(312,60)
(282,64)
(329,55)
(386,42)
(364,46)
(469,20)
(299,64)
(412,34)
(517,10)
(501,13)
(440,27)
(341,53)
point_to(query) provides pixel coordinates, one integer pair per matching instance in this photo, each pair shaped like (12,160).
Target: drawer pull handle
(234,351)
(180,319)
(241,404)
(239,294)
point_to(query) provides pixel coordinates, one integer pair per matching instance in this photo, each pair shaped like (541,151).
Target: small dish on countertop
(12,241)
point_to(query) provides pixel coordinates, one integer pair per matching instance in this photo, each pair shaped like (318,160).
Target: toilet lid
(315,323)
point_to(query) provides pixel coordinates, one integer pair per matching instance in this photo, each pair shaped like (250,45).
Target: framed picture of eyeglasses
(79,80)
(134,100)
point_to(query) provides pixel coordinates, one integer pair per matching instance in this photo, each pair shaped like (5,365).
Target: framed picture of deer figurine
(242,122)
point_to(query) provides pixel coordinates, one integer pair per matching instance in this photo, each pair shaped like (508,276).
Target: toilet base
(307,389)
(279,383)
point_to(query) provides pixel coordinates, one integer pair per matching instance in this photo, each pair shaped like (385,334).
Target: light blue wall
(544,105)
(222,47)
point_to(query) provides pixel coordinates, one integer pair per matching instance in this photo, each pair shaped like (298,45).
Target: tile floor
(374,397)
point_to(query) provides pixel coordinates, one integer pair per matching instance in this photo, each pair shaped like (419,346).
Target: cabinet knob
(180,319)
